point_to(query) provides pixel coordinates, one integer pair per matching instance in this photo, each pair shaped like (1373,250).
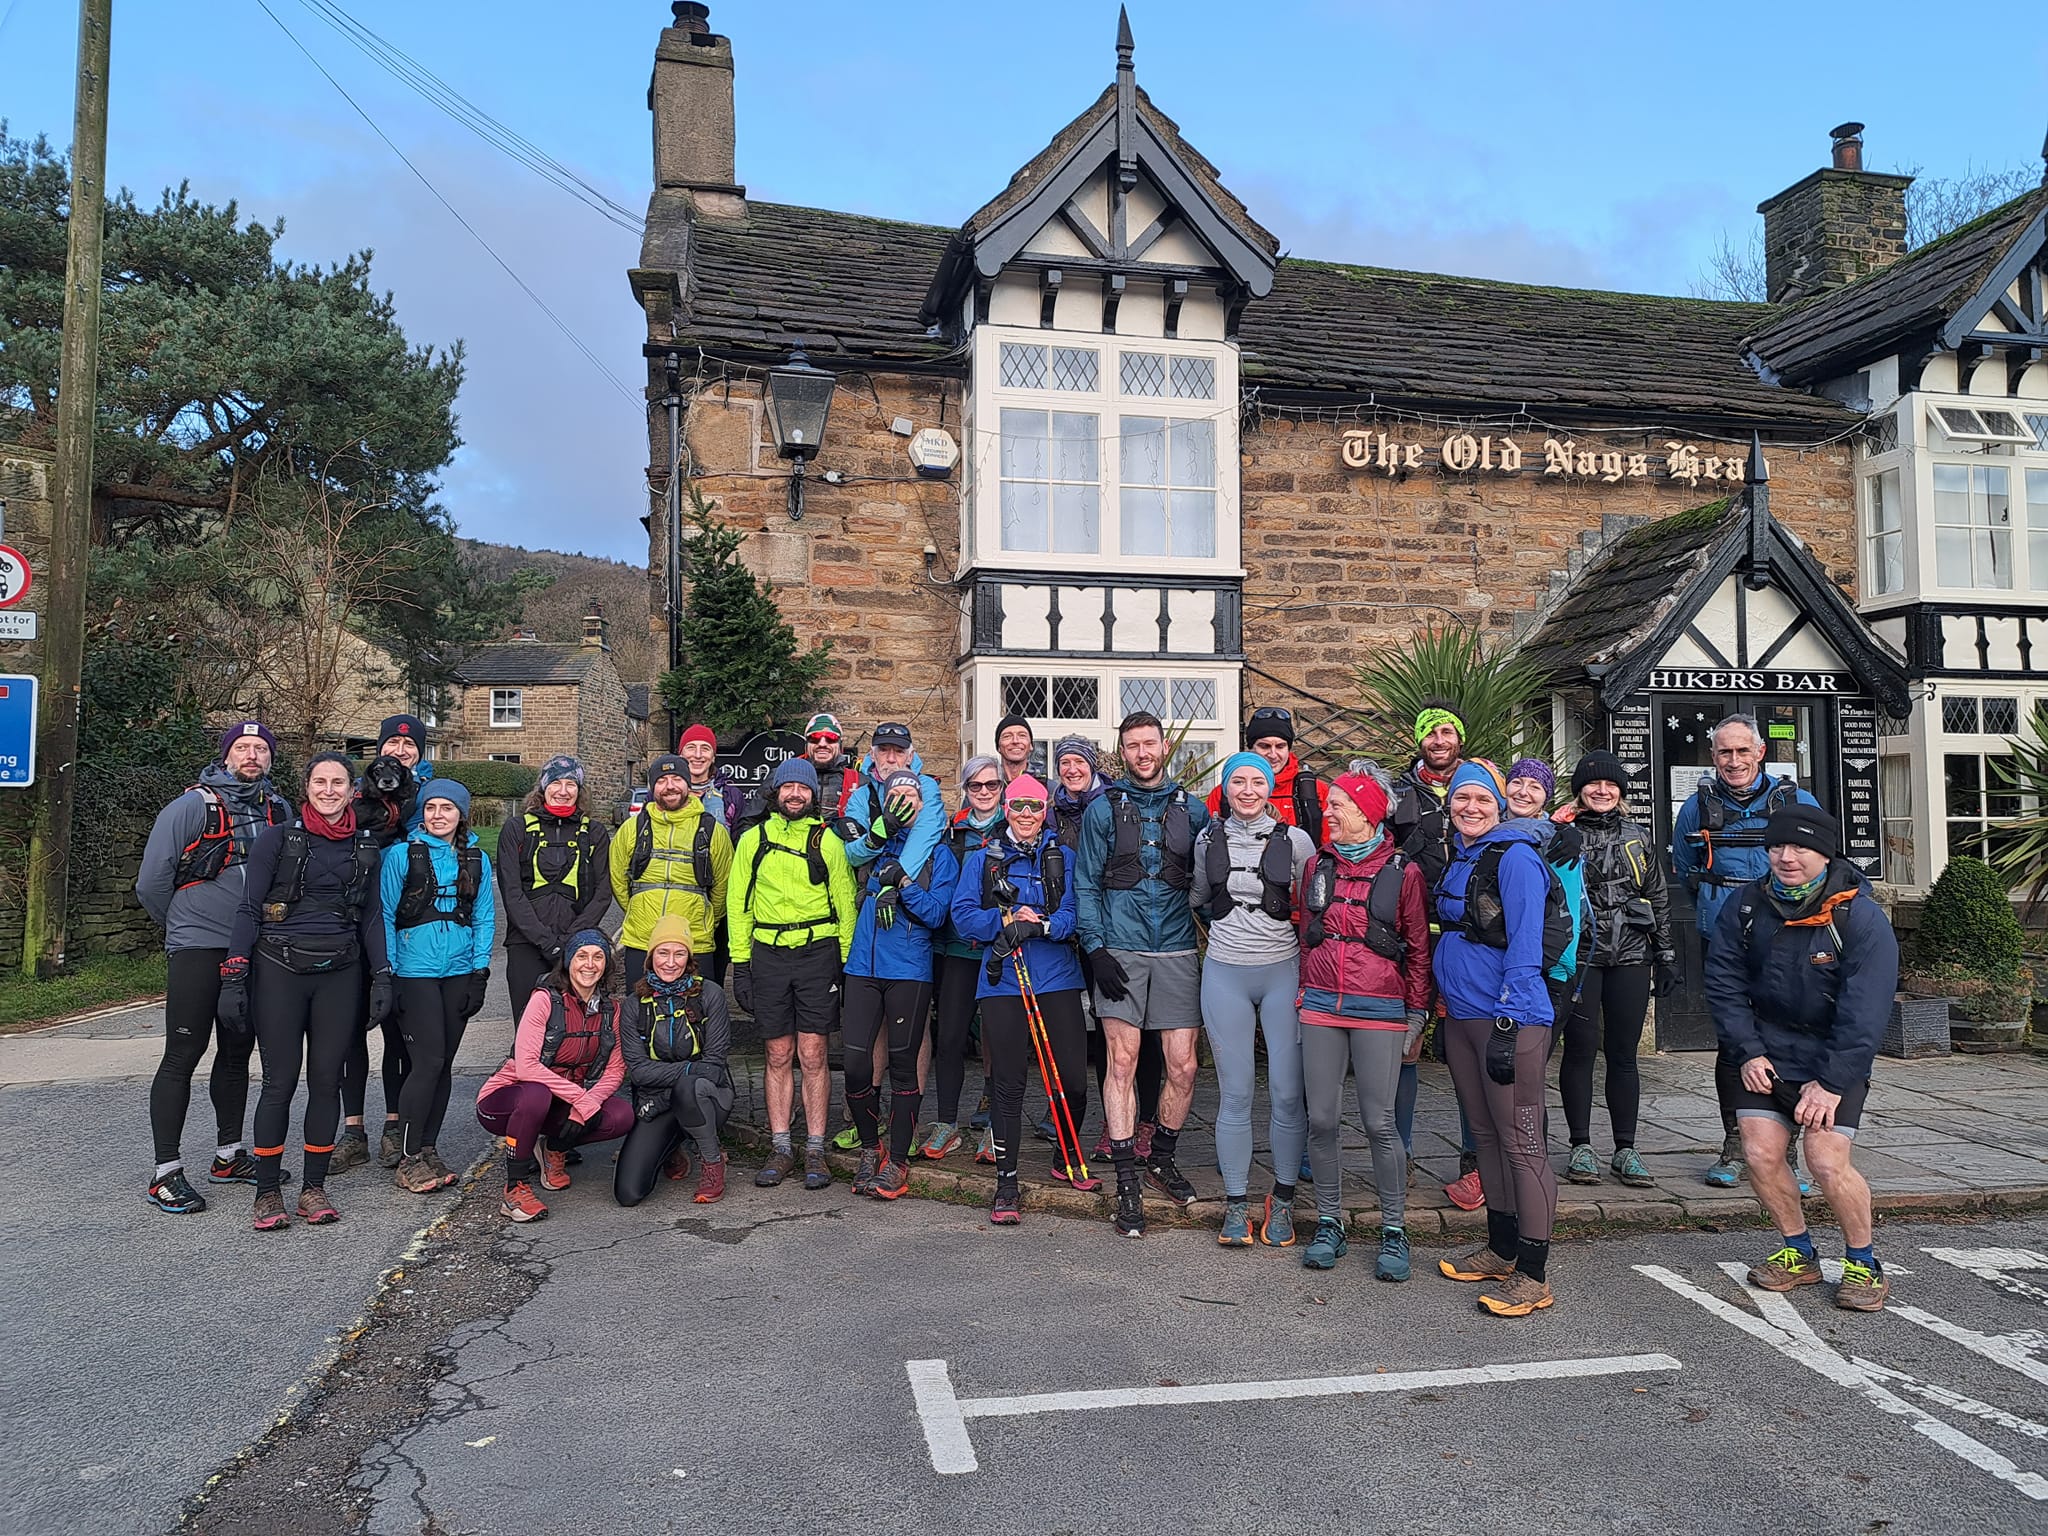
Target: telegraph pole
(49,860)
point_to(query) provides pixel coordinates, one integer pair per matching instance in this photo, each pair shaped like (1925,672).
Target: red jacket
(1283,797)
(1344,981)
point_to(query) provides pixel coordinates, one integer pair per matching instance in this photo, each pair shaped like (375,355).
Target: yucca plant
(1184,767)
(2019,845)
(1496,694)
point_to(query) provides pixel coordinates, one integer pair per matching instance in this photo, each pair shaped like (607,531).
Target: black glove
(473,994)
(233,1008)
(739,981)
(885,907)
(1669,977)
(1500,1051)
(849,829)
(552,953)
(1109,975)
(381,999)
(1566,843)
(897,814)
(889,872)
(1019,929)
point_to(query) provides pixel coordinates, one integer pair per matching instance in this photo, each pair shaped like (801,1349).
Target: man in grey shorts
(1135,866)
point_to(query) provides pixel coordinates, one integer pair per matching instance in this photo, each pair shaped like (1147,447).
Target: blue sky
(1605,145)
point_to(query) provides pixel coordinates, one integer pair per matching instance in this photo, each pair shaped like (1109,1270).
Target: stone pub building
(1195,478)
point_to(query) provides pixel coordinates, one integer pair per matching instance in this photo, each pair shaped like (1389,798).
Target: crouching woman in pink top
(556,1091)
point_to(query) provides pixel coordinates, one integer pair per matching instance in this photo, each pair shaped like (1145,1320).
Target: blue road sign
(17,731)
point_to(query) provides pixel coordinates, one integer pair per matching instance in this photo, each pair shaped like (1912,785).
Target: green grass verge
(90,983)
(487,839)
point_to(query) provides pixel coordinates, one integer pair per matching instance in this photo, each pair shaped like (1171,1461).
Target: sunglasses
(816,739)
(981,786)
(1028,807)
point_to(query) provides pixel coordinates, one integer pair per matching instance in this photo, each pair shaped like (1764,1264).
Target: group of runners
(1082,928)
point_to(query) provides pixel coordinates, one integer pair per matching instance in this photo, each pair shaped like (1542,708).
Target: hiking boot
(778,1167)
(1129,1219)
(1863,1287)
(1479,1263)
(390,1149)
(816,1174)
(1467,1193)
(1584,1167)
(978,1121)
(870,1168)
(554,1168)
(440,1170)
(1515,1296)
(1785,1270)
(1276,1223)
(1087,1183)
(1393,1262)
(240,1169)
(710,1183)
(270,1215)
(941,1139)
(521,1204)
(677,1164)
(1237,1225)
(986,1152)
(173,1194)
(1628,1168)
(1170,1181)
(351,1150)
(891,1182)
(1729,1167)
(415,1177)
(1003,1211)
(1143,1140)
(848,1139)
(1326,1247)
(315,1209)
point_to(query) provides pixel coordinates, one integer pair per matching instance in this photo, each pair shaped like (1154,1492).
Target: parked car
(633,802)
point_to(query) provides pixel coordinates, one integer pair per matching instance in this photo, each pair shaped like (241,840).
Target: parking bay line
(944,1414)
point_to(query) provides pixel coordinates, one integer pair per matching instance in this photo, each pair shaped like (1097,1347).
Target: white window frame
(1877,537)
(511,701)
(2015,553)
(981,698)
(1971,422)
(982,481)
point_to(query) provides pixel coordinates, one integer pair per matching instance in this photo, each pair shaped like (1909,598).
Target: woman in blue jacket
(1494,905)
(1002,900)
(439,917)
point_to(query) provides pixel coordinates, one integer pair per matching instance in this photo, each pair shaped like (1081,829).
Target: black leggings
(871,1006)
(355,1066)
(430,1019)
(1609,1018)
(525,968)
(309,1020)
(696,1105)
(1011,1056)
(191,995)
(952,1022)
(1151,1075)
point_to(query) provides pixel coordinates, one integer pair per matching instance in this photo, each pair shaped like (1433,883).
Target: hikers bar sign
(17,731)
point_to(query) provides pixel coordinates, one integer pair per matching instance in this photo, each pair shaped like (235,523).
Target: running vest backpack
(963,839)
(553,833)
(1382,907)
(419,902)
(1124,870)
(213,850)
(1486,918)
(1052,872)
(1275,870)
(605,1027)
(700,856)
(813,856)
(1308,805)
(1714,811)
(675,1022)
(287,895)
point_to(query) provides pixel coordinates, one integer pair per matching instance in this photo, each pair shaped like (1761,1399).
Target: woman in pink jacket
(556,1091)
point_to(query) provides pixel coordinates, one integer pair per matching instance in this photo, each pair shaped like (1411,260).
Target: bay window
(1973,526)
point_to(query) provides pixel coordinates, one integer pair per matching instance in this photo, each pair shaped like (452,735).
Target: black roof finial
(1759,472)
(2044,160)
(1124,44)
(1126,104)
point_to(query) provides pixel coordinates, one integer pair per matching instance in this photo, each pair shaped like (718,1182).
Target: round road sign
(15,576)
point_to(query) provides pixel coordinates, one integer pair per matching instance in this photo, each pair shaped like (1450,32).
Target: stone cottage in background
(523,701)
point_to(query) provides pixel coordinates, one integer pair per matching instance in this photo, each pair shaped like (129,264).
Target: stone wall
(587,720)
(853,571)
(1832,228)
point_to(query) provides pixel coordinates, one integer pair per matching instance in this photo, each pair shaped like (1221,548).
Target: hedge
(488,780)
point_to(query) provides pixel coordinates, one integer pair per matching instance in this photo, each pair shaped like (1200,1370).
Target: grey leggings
(1374,1056)
(1507,1123)
(1236,1000)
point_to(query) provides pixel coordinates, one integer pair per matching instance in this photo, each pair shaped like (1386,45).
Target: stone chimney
(691,99)
(1833,227)
(594,629)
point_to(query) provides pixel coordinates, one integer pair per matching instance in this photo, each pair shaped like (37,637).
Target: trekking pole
(1065,1132)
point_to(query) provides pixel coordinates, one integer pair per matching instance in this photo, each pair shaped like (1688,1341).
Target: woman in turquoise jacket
(439,919)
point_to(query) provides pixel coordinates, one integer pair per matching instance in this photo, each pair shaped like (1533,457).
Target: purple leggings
(524,1111)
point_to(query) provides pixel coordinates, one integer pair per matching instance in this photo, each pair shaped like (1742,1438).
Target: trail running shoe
(817,1173)
(1143,1140)
(1087,1183)
(521,1204)
(677,1164)
(1167,1178)
(270,1214)
(1308,1172)
(848,1139)
(1628,1168)
(1729,1167)
(239,1169)
(978,1121)
(778,1167)
(1785,1270)
(1515,1296)
(1467,1194)
(1480,1263)
(1129,1219)
(1863,1287)
(554,1168)
(390,1149)
(891,1181)
(1003,1211)
(1392,1263)
(986,1152)
(710,1183)
(941,1139)
(1584,1167)
(315,1209)
(173,1194)
(1101,1152)
(415,1177)
(351,1150)
(1326,1247)
(1045,1131)
(432,1158)
(1237,1225)
(870,1168)
(1276,1223)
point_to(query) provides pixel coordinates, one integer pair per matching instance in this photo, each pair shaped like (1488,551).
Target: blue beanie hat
(451,790)
(1238,760)
(1477,770)
(583,938)
(794,770)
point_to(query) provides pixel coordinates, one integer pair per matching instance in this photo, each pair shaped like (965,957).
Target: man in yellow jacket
(671,857)
(791,924)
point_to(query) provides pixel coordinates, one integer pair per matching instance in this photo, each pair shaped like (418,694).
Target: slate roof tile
(528,662)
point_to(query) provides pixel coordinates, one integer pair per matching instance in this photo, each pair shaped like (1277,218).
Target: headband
(1430,719)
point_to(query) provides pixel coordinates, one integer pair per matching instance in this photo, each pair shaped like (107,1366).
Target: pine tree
(741,671)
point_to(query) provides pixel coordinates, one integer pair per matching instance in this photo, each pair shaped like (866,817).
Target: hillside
(556,614)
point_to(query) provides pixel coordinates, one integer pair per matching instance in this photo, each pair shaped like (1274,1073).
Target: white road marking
(945,1415)
(1996,1265)
(1781,1327)
(1955,1400)
(2014,1351)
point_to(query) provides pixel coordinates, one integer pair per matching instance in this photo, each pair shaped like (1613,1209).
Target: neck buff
(1430,776)
(659,988)
(1797,895)
(342,826)
(1357,852)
